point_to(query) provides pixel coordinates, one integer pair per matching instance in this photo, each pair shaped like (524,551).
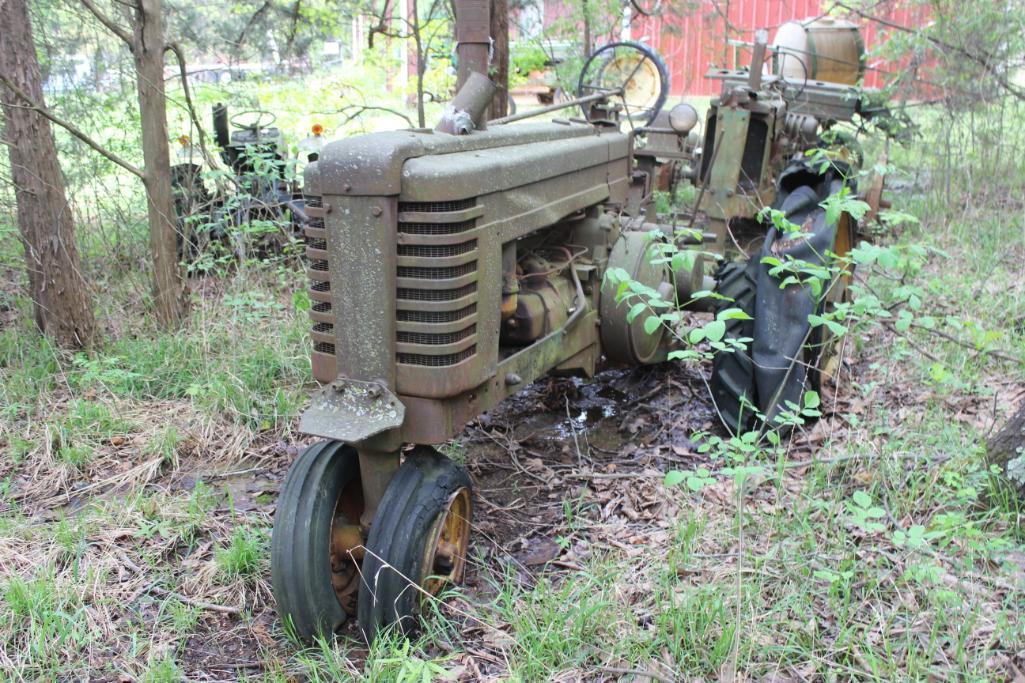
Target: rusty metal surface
(376,467)
(352,411)
(626,341)
(465,113)
(361,246)
(433,422)
(473,37)
(371,165)
(483,171)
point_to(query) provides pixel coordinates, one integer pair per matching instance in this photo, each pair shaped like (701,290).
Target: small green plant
(165,444)
(695,479)
(863,514)
(51,624)
(396,660)
(242,556)
(76,456)
(183,617)
(162,669)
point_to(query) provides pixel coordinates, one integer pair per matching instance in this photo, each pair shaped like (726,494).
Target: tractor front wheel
(317,545)
(418,541)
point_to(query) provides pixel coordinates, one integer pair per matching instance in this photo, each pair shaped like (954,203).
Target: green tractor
(449,268)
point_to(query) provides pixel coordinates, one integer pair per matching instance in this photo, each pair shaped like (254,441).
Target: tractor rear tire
(733,379)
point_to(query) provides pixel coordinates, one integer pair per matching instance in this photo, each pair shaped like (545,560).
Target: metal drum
(823,49)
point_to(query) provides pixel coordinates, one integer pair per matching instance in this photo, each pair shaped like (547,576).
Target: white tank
(822,49)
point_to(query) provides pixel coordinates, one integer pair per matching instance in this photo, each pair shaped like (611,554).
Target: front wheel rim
(448,543)
(346,543)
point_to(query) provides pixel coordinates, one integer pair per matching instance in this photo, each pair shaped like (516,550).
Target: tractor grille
(436,316)
(436,294)
(438,339)
(437,361)
(437,207)
(436,307)
(436,250)
(437,273)
(323,331)
(437,228)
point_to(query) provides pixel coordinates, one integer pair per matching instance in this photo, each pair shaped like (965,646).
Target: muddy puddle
(535,459)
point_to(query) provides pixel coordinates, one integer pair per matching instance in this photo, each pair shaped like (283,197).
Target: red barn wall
(692,43)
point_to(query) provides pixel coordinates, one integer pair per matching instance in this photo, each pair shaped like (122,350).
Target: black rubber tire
(416,495)
(650,54)
(732,381)
(816,339)
(301,541)
(190,197)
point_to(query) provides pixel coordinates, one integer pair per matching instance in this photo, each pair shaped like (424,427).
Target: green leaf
(826,575)
(715,330)
(811,399)
(635,311)
(732,314)
(836,328)
(696,336)
(862,499)
(651,323)
(674,478)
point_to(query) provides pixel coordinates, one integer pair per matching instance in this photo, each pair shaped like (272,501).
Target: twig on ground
(636,672)
(995,353)
(154,588)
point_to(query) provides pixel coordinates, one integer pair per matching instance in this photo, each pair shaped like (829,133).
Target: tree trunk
(63,309)
(500,60)
(148,52)
(1006,450)
(587,29)
(419,59)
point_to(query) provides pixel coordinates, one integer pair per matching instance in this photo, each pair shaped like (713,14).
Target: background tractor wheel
(317,544)
(732,382)
(418,541)
(633,68)
(824,349)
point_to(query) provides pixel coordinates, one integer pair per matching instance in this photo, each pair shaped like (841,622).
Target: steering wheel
(264,119)
(631,71)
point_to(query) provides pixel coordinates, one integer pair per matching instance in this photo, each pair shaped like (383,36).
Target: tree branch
(189,105)
(296,9)
(113,27)
(982,61)
(252,20)
(71,128)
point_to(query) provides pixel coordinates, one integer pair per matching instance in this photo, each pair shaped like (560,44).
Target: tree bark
(419,59)
(500,60)
(63,308)
(148,49)
(1006,450)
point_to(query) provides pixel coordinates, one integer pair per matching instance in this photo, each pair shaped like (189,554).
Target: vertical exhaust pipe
(468,109)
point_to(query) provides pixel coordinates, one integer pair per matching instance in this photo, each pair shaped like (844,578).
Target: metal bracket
(351,411)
